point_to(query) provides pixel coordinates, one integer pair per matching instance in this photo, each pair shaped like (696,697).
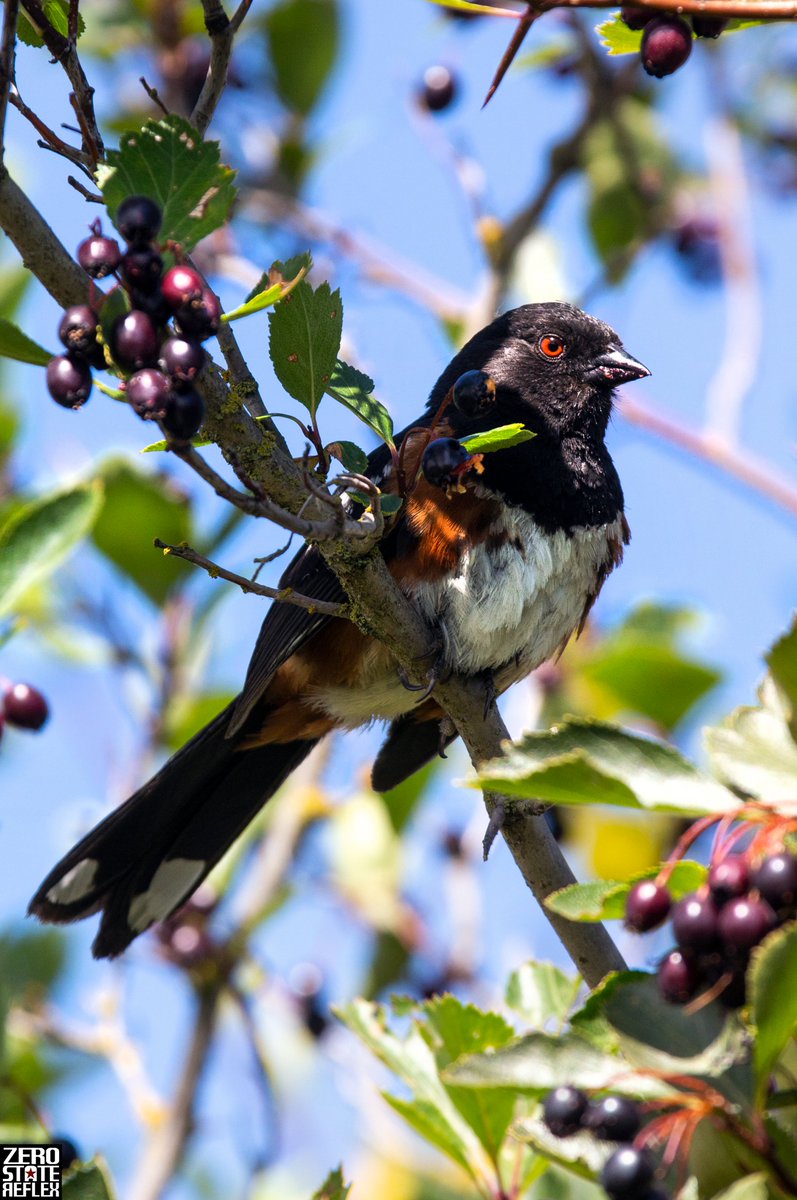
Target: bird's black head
(554,366)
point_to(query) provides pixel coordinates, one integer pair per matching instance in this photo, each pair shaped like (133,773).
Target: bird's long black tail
(145,859)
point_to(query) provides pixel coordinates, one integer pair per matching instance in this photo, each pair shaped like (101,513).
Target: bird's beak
(616,366)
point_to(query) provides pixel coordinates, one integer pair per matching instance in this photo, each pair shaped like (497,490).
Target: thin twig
(52,140)
(167,1146)
(742,465)
(287,595)
(222,33)
(7,47)
(92,197)
(153,95)
(64,51)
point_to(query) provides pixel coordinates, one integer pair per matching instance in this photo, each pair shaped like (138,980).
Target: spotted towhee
(506,565)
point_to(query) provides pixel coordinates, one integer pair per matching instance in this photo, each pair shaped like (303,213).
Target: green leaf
(191,713)
(354,389)
(782,663)
(303,40)
(304,339)
(541,992)
(402,800)
(138,508)
(14,282)
(350,454)
(605,899)
(168,161)
(540,1061)
(752,1187)
(753,749)
(427,1120)
(592,762)
(30,963)
(17,345)
(413,1060)
(461,1029)
(10,425)
(615,35)
(333,1187)
(57,13)
(772,990)
(37,539)
(271,294)
(88,1182)
(500,438)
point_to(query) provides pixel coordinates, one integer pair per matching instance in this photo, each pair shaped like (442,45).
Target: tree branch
(286,595)
(222,33)
(40,250)
(64,51)
(7,48)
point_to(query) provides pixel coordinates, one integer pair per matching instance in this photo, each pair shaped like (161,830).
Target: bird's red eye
(552,346)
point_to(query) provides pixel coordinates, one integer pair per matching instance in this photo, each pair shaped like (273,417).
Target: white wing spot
(75,884)
(173,880)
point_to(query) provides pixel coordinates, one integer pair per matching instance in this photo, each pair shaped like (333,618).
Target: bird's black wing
(287,627)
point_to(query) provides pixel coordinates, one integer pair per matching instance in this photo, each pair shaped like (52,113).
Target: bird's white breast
(519,600)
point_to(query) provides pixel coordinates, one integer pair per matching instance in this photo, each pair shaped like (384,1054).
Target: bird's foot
(438,670)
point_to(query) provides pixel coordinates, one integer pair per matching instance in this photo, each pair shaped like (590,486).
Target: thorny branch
(286,595)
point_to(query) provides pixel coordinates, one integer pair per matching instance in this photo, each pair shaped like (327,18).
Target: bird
(504,566)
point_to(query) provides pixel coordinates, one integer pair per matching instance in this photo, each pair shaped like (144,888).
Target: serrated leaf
(772,991)
(87,1182)
(427,1120)
(36,540)
(582,1154)
(333,1187)
(500,438)
(540,1061)
(304,339)
(168,161)
(354,389)
(541,992)
(138,508)
(259,300)
(412,1059)
(615,35)
(57,13)
(460,1029)
(350,454)
(605,899)
(753,750)
(303,41)
(593,762)
(17,345)
(782,663)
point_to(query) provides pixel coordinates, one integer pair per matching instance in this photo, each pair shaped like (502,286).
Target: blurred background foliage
(595,190)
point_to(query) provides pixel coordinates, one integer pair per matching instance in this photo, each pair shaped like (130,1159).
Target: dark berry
(728,878)
(142,268)
(441,460)
(614,1119)
(776,879)
(200,318)
(181,359)
(68,380)
(67,1150)
(636,17)
(628,1174)
(78,329)
(181,285)
(473,392)
(184,415)
(694,922)
(138,219)
(99,256)
(134,340)
(151,303)
(744,922)
(678,978)
(563,1111)
(647,906)
(666,45)
(24,706)
(438,90)
(150,393)
(708,27)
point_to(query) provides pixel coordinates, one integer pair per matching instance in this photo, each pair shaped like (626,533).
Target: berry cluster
(667,39)
(716,928)
(161,361)
(628,1172)
(22,706)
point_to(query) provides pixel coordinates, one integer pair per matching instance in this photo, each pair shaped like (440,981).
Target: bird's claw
(436,672)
